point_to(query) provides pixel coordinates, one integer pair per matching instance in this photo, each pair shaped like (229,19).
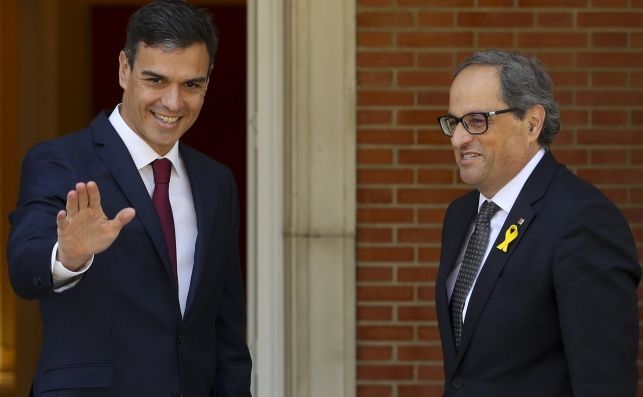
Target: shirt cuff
(62,277)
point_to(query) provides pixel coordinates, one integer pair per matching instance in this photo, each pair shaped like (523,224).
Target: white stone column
(320,199)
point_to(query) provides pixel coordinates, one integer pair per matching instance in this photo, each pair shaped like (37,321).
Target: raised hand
(84,229)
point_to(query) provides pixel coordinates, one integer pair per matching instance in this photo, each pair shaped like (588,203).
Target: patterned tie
(471,262)
(161,198)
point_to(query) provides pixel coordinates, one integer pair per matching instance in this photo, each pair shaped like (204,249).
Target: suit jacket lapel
(205,203)
(455,233)
(113,152)
(521,215)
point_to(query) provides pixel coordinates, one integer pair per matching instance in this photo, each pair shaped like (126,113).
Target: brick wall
(406,174)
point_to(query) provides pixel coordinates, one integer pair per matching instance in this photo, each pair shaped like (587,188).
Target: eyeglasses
(474,123)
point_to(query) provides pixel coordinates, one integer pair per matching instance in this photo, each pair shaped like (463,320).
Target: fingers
(61,219)
(93,194)
(124,217)
(83,197)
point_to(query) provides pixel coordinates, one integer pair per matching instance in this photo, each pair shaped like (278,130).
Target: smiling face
(163,92)
(490,160)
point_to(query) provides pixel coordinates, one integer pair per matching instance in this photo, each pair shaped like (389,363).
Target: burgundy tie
(161,198)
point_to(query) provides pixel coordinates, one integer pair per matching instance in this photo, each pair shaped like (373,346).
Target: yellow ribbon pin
(510,235)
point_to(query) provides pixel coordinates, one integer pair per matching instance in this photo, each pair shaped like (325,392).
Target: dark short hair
(170,24)
(524,83)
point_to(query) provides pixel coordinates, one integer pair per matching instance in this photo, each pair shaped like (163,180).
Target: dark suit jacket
(556,315)
(119,331)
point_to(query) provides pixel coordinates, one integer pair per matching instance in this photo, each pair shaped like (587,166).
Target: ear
(535,119)
(123,70)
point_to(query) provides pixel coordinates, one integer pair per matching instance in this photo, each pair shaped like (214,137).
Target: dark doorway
(220,130)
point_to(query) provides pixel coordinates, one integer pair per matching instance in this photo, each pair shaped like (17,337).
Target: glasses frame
(459,120)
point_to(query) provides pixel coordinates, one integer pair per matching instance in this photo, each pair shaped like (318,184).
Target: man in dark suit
(139,282)
(536,289)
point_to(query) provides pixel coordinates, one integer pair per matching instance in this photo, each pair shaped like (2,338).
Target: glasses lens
(475,123)
(447,123)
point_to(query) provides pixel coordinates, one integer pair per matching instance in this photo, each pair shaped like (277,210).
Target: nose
(460,136)
(172,98)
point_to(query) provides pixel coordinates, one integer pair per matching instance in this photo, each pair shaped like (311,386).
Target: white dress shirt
(505,199)
(180,199)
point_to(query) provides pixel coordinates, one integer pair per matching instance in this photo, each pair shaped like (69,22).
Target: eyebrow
(150,73)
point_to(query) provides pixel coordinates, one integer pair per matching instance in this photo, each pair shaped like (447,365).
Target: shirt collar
(507,196)
(141,152)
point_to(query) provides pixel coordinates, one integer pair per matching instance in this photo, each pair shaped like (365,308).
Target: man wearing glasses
(536,290)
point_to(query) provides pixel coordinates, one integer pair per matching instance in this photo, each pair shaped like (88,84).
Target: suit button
(37,281)
(458,383)
(177,393)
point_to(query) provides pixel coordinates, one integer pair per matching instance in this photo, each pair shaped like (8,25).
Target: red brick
(384,176)
(617,195)
(551,39)
(375,196)
(485,19)
(374,391)
(436,176)
(608,156)
(436,19)
(374,39)
(374,235)
(374,313)
(431,215)
(384,59)
(435,39)
(371,273)
(609,79)
(418,234)
(570,78)
(374,353)
(637,159)
(374,79)
(425,156)
(385,136)
(609,98)
(609,3)
(609,117)
(383,98)
(553,3)
(416,313)
(574,118)
(599,59)
(424,78)
(633,214)
(637,193)
(609,39)
(434,98)
(429,333)
(426,390)
(374,117)
(380,19)
(612,176)
(434,136)
(435,3)
(610,137)
(429,254)
(385,254)
(571,156)
(558,59)
(637,80)
(432,59)
(637,39)
(371,333)
(381,293)
(565,97)
(385,372)
(427,196)
(425,293)
(417,274)
(416,353)
(431,372)
(602,19)
(496,3)
(417,117)
(496,40)
(384,214)
(555,19)
(374,3)
(374,156)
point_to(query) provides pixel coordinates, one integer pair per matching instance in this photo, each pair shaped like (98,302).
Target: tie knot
(487,211)
(162,170)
